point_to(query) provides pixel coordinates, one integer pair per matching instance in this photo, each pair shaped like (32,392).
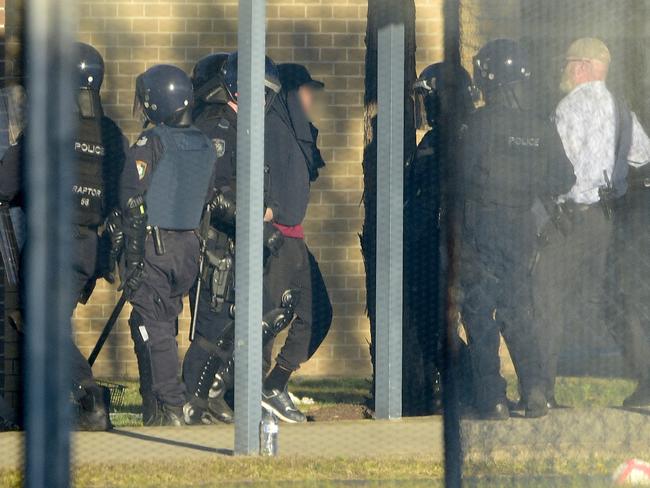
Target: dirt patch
(339,412)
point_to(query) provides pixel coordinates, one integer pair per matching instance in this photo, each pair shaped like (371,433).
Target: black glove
(112,245)
(273,238)
(116,234)
(223,210)
(135,233)
(133,278)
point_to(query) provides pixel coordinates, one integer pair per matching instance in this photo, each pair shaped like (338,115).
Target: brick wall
(327,36)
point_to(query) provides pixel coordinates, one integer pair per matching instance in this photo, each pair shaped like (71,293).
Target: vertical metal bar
(390,202)
(450,383)
(250,202)
(50,36)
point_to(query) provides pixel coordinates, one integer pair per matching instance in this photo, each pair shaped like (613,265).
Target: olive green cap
(589,48)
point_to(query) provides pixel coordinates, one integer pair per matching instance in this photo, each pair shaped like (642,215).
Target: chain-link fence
(457,297)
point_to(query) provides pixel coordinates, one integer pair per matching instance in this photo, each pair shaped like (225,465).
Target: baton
(199,282)
(107,329)
(203,239)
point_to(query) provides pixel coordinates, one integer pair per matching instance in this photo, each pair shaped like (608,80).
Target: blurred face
(306,95)
(579,71)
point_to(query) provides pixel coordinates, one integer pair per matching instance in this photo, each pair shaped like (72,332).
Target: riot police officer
(212,312)
(423,213)
(99,149)
(510,161)
(208,364)
(166,182)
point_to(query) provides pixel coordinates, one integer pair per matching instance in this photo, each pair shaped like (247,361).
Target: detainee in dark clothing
(166,183)
(511,162)
(293,161)
(99,156)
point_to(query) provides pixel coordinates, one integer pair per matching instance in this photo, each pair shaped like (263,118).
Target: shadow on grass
(169,442)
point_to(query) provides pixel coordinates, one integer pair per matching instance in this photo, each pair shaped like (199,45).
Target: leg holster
(221,270)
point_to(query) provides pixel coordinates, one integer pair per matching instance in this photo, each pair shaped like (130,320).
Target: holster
(220,272)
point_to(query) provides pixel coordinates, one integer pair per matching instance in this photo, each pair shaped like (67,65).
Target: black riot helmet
(164,94)
(207,79)
(90,75)
(272,83)
(499,66)
(443,80)
(90,67)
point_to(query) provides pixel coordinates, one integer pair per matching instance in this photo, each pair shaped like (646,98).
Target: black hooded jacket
(292,159)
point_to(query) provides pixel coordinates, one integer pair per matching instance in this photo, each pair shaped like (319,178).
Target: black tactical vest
(88,186)
(180,183)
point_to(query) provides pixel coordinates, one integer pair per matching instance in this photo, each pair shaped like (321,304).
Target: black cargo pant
(296,268)
(156,306)
(629,264)
(570,285)
(497,255)
(84,264)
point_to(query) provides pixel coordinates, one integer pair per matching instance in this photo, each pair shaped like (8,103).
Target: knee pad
(279,318)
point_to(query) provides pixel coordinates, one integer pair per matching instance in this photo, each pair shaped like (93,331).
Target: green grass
(573,392)
(591,471)
(585,392)
(324,391)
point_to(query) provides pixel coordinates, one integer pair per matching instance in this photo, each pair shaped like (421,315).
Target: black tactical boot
(640,397)
(219,411)
(150,408)
(279,403)
(166,416)
(536,405)
(94,408)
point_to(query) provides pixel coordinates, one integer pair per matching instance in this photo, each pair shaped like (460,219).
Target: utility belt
(219,274)
(157,234)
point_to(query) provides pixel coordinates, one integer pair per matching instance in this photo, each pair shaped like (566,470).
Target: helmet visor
(422,90)
(12,113)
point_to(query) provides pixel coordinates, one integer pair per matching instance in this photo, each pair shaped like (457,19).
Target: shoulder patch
(223,123)
(141,166)
(219,146)
(142,141)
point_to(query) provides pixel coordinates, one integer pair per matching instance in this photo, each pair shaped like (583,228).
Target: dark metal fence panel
(50,37)
(250,191)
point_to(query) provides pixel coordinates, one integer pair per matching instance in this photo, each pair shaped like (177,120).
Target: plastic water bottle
(269,429)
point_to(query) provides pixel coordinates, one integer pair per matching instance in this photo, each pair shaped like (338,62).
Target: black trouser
(296,268)
(84,261)
(570,286)
(497,252)
(629,263)
(156,306)
(210,325)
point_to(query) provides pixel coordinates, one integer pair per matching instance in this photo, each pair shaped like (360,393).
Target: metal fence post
(250,191)
(390,202)
(51,126)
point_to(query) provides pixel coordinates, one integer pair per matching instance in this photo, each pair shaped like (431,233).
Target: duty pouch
(221,276)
